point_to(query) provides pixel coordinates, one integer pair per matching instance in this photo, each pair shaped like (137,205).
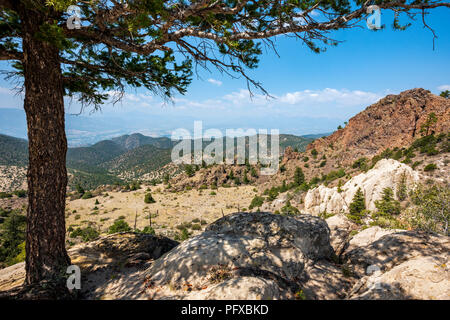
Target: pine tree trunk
(46,256)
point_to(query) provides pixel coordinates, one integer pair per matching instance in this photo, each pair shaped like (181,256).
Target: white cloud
(215,82)
(331,96)
(444,87)
(6,91)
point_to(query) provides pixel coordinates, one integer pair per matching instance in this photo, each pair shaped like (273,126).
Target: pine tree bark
(46,255)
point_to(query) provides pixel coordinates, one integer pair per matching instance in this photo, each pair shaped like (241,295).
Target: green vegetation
(12,237)
(4,195)
(183,235)
(387,209)
(402,190)
(289,210)
(299,176)
(86,234)
(20,193)
(432,211)
(357,207)
(387,204)
(14,151)
(324,215)
(147,230)
(271,193)
(430,167)
(148,198)
(361,164)
(431,121)
(119,225)
(257,202)
(445,94)
(87,195)
(333,175)
(189,170)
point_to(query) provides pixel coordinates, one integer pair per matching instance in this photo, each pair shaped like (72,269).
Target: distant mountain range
(106,161)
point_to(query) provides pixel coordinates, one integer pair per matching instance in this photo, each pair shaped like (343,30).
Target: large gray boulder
(272,248)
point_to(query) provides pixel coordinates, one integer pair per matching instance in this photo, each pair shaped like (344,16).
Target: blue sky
(313,92)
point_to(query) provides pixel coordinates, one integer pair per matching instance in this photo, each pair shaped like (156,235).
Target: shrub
(5,195)
(196,227)
(289,210)
(432,211)
(119,226)
(96,202)
(402,191)
(148,230)
(87,195)
(430,167)
(271,193)
(322,164)
(148,198)
(416,164)
(20,193)
(183,235)
(212,193)
(87,234)
(189,169)
(257,202)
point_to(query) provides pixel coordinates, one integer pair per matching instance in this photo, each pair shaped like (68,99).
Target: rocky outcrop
(419,278)
(111,267)
(394,121)
(386,173)
(367,236)
(262,256)
(271,248)
(340,232)
(400,265)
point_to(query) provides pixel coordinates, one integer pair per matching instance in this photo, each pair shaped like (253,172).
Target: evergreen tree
(358,203)
(388,205)
(299,176)
(189,169)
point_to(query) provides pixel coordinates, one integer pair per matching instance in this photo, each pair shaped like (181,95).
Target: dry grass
(170,210)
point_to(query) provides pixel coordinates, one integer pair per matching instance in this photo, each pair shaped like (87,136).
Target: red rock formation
(394,121)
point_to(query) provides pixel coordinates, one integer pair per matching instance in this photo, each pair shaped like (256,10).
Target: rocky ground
(263,256)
